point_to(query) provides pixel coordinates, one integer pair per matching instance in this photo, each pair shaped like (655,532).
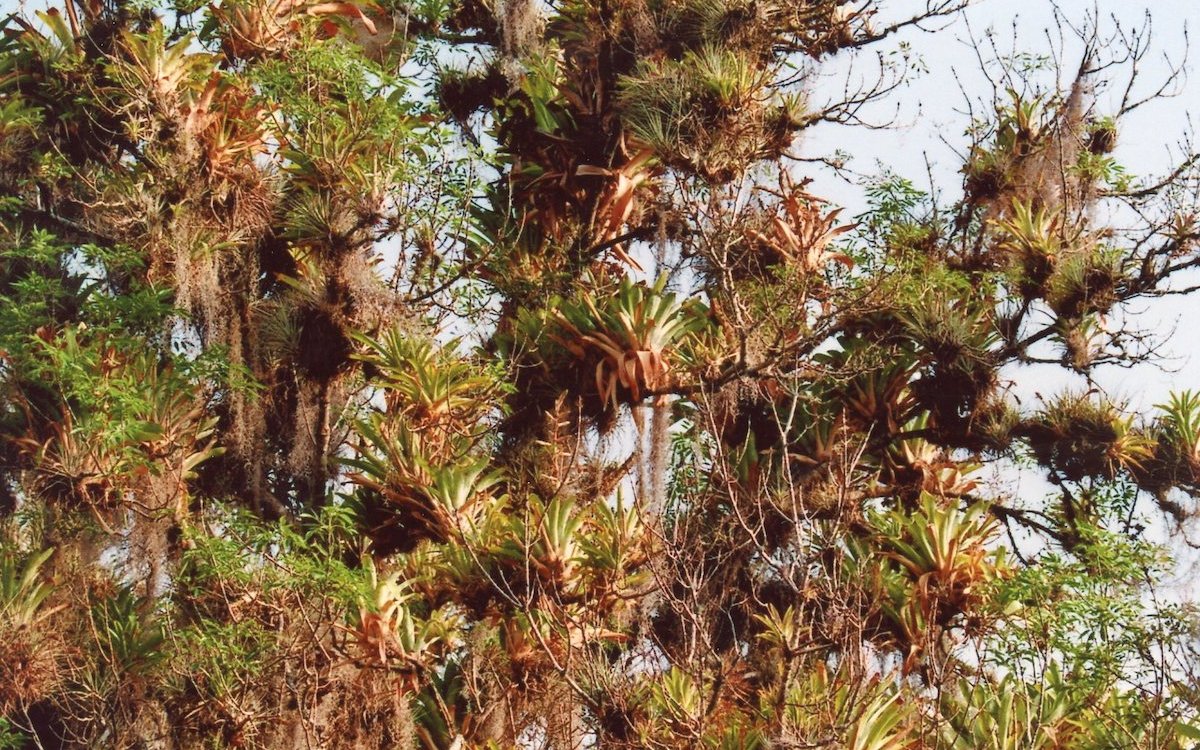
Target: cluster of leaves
(338,408)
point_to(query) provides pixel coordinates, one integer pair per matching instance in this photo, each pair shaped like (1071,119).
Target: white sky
(931,123)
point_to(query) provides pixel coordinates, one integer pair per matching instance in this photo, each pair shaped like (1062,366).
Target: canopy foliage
(465,374)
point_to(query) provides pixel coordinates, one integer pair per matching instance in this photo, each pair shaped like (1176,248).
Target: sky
(931,120)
